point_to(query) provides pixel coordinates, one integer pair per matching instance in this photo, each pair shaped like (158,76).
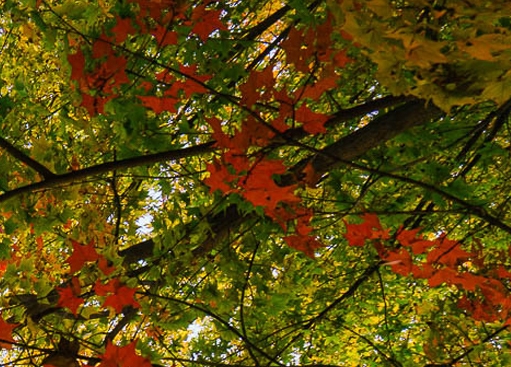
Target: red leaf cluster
(125,356)
(117,295)
(99,85)
(306,46)
(369,229)
(69,296)
(441,261)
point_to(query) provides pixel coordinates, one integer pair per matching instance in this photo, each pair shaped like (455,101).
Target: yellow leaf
(484,47)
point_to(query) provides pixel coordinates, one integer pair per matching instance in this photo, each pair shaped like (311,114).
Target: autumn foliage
(217,183)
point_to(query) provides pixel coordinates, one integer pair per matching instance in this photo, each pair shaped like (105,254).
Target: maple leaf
(260,188)
(313,123)
(400,261)
(443,275)
(317,89)
(123,296)
(81,255)
(104,289)
(341,59)
(101,47)
(206,21)
(448,253)
(270,196)
(94,104)
(69,296)
(407,237)
(159,104)
(306,244)
(256,80)
(222,139)
(126,356)
(219,177)
(122,29)
(188,87)
(298,48)
(118,295)
(164,36)
(6,330)
(357,234)
(77,62)
(104,266)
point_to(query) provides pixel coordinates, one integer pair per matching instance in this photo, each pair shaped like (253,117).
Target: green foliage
(246,183)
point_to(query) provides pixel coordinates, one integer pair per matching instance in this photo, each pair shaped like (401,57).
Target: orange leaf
(357,234)
(81,255)
(126,356)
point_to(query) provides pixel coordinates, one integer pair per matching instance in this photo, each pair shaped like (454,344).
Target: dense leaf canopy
(255,183)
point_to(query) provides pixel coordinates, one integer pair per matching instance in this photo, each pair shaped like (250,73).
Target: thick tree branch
(378,131)
(80,175)
(383,128)
(22,157)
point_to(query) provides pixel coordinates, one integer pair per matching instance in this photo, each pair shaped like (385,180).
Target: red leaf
(122,29)
(6,333)
(400,260)
(77,62)
(159,104)
(101,47)
(94,104)
(341,59)
(206,21)
(104,266)
(315,91)
(104,289)
(69,296)
(219,177)
(448,253)
(260,188)
(81,255)
(298,48)
(123,296)
(313,123)
(407,237)
(256,81)
(444,275)
(306,244)
(222,139)
(118,295)
(357,234)
(126,356)
(164,36)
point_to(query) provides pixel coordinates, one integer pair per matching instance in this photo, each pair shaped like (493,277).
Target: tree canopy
(255,183)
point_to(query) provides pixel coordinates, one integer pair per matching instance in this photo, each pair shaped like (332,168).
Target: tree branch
(412,113)
(383,128)
(76,176)
(22,157)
